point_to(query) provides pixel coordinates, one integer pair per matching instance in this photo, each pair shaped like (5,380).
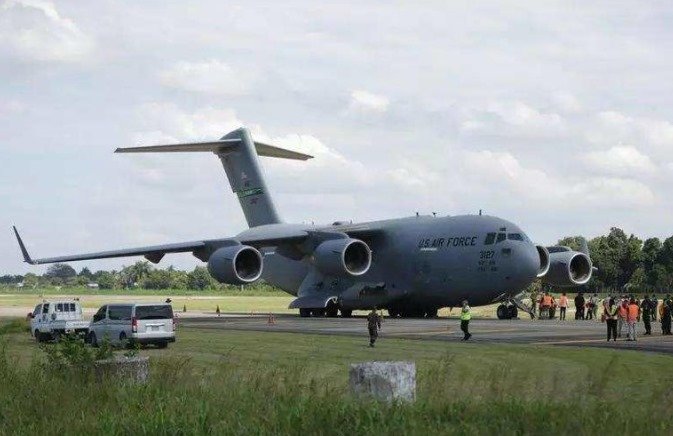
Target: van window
(59,307)
(163,311)
(38,310)
(72,307)
(100,315)
(45,308)
(119,313)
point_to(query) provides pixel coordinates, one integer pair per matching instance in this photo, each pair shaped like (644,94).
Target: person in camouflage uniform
(373,325)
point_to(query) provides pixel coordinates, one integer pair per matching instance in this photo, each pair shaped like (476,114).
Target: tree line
(624,262)
(139,275)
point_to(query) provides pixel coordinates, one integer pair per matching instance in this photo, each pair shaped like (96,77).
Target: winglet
(26,256)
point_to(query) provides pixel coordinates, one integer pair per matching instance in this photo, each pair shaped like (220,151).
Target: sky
(557,116)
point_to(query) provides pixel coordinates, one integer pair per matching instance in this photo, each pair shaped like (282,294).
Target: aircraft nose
(528,264)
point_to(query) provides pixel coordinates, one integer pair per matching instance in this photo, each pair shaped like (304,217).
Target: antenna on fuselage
(479,212)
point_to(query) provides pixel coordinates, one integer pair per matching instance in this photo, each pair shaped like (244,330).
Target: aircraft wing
(154,253)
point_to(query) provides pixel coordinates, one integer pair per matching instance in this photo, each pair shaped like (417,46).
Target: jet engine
(235,265)
(343,257)
(568,268)
(544,261)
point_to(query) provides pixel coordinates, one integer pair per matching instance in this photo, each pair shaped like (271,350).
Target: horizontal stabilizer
(221,146)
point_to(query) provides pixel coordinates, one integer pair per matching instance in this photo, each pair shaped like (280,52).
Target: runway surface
(484,331)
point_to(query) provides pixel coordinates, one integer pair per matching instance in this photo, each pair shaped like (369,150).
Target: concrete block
(386,381)
(123,370)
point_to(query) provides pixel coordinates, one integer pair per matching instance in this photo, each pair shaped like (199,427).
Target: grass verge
(235,382)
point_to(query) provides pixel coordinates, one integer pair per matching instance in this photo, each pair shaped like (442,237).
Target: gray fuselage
(431,261)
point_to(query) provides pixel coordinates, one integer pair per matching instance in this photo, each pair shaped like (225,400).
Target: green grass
(257,304)
(234,382)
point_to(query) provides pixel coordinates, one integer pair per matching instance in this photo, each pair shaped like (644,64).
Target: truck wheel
(93,340)
(56,336)
(38,336)
(346,313)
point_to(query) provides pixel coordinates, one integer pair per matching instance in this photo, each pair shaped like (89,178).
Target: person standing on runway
(611,313)
(646,310)
(563,306)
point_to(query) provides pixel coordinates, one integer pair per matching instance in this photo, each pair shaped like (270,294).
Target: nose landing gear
(509,309)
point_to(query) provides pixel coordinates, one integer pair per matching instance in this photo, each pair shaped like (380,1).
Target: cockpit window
(501,237)
(515,237)
(490,239)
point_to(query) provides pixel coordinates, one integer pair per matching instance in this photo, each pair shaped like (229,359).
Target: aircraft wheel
(304,313)
(332,311)
(503,312)
(393,313)
(346,313)
(513,312)
(318,312)
(431,313)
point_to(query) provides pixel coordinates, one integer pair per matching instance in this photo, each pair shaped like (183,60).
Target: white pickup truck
(51,319)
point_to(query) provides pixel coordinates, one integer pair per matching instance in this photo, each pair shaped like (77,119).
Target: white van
(142,323)
(51,319)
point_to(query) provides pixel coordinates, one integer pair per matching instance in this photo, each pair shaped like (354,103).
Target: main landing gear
(331,311)
(413,312)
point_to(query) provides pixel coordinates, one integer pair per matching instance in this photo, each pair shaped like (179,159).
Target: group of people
(626,311)
(585,308)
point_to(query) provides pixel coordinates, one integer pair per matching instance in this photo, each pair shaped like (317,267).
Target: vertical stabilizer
(247,181)
(238,153)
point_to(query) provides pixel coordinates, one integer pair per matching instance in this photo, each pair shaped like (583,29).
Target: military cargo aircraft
(410,266)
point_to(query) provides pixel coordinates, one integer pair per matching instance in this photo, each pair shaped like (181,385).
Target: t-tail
(238,153)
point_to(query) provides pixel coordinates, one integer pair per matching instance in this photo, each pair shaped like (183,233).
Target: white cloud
(166,122)
(11,107)
(567,102)
(655,135)
(619,160)
(365,101)
(208,77)
(512,118)
(35,30)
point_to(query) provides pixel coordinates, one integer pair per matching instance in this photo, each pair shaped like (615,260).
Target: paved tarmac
(484,331)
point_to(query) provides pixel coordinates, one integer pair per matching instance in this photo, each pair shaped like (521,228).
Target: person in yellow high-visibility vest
(465,316)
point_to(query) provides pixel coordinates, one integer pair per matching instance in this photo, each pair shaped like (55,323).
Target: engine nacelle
(568,268)
(545,262)
(343,257)
(235,265)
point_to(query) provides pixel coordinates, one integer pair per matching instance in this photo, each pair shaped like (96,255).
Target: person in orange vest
(621,316)
(632,316)
(546,304)
(563,305)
